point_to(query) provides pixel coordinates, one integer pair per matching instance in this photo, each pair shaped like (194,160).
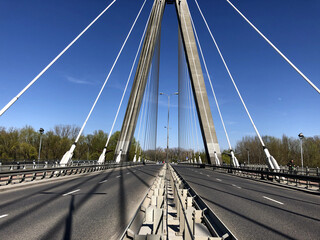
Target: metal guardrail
(281,176)
(17,165)
(171,209)
(21,175)
(209,218)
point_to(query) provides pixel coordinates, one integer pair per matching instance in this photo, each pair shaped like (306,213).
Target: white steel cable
(275,48)
(68,155)
(196,72)
(195,125)
(144,62)
(190,112)
(230,75)
(5,108)
(209,78)
(125,89)
(142,116)
(115,62)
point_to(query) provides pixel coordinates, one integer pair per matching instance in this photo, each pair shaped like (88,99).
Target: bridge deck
(100,209)
(254,210)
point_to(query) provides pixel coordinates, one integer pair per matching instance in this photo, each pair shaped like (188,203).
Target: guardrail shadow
(62,222)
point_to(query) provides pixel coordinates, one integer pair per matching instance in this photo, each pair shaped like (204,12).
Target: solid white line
(273,200)
(219,179)
(103,181)
(4,215)
(71,192)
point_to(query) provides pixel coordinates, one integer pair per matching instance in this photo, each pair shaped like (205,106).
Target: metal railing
(307,179)
(22,175)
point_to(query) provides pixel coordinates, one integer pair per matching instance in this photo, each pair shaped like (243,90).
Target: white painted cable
(144,62)
(275,48)
(125,89)
(105,82)
(209,78)
(230,75)
(144,107)
(195,125)
(196,72)
(190,112)
(3,110)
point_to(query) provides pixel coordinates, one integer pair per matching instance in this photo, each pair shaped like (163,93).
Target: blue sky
(33,32)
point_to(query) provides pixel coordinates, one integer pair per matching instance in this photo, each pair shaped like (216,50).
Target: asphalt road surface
(254,210)
(92,206)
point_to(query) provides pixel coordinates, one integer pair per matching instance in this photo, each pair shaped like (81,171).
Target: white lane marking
(208,175)
(201,173)
(4,215)
(119,176)
(219,179)
(71,192)
(236,186)
(103,181)
(272,200)
(128,173)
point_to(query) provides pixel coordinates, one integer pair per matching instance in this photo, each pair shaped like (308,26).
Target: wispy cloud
(77,80)
(231,122)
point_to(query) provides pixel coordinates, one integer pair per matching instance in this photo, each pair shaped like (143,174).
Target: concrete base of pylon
(102,157)
(66,159)
(118,158)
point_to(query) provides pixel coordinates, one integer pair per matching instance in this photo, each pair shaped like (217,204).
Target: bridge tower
(195,72)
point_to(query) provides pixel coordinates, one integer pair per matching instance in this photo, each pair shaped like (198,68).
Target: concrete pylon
(197,81)
(140,80)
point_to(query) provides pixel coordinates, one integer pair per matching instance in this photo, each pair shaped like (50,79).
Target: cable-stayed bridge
(138,199)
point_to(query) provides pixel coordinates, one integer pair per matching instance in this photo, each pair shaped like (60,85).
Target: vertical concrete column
(198,86)
(140,80)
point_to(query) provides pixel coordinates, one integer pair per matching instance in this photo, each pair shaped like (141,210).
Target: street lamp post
(301,137)
(168,95)
(248,152)
(41,131)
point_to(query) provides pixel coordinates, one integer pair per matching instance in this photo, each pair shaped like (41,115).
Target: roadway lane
(94,206)
(254,210)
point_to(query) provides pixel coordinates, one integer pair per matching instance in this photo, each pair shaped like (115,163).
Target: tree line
(23,144)
(282,149)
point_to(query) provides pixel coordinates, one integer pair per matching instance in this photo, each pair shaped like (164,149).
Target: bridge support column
(140,80)
(197,82)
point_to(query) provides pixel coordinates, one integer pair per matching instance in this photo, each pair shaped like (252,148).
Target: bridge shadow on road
(64,222)
(252,200)
(248,219)
(122,202)
(251,189)
(67,233)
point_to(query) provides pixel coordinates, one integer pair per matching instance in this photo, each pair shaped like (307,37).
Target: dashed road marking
(236,186)
(71,192)
(4,215)
(118,176)
(103,181)
(208,175)
(219,179)
(273,200)
(128,173)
